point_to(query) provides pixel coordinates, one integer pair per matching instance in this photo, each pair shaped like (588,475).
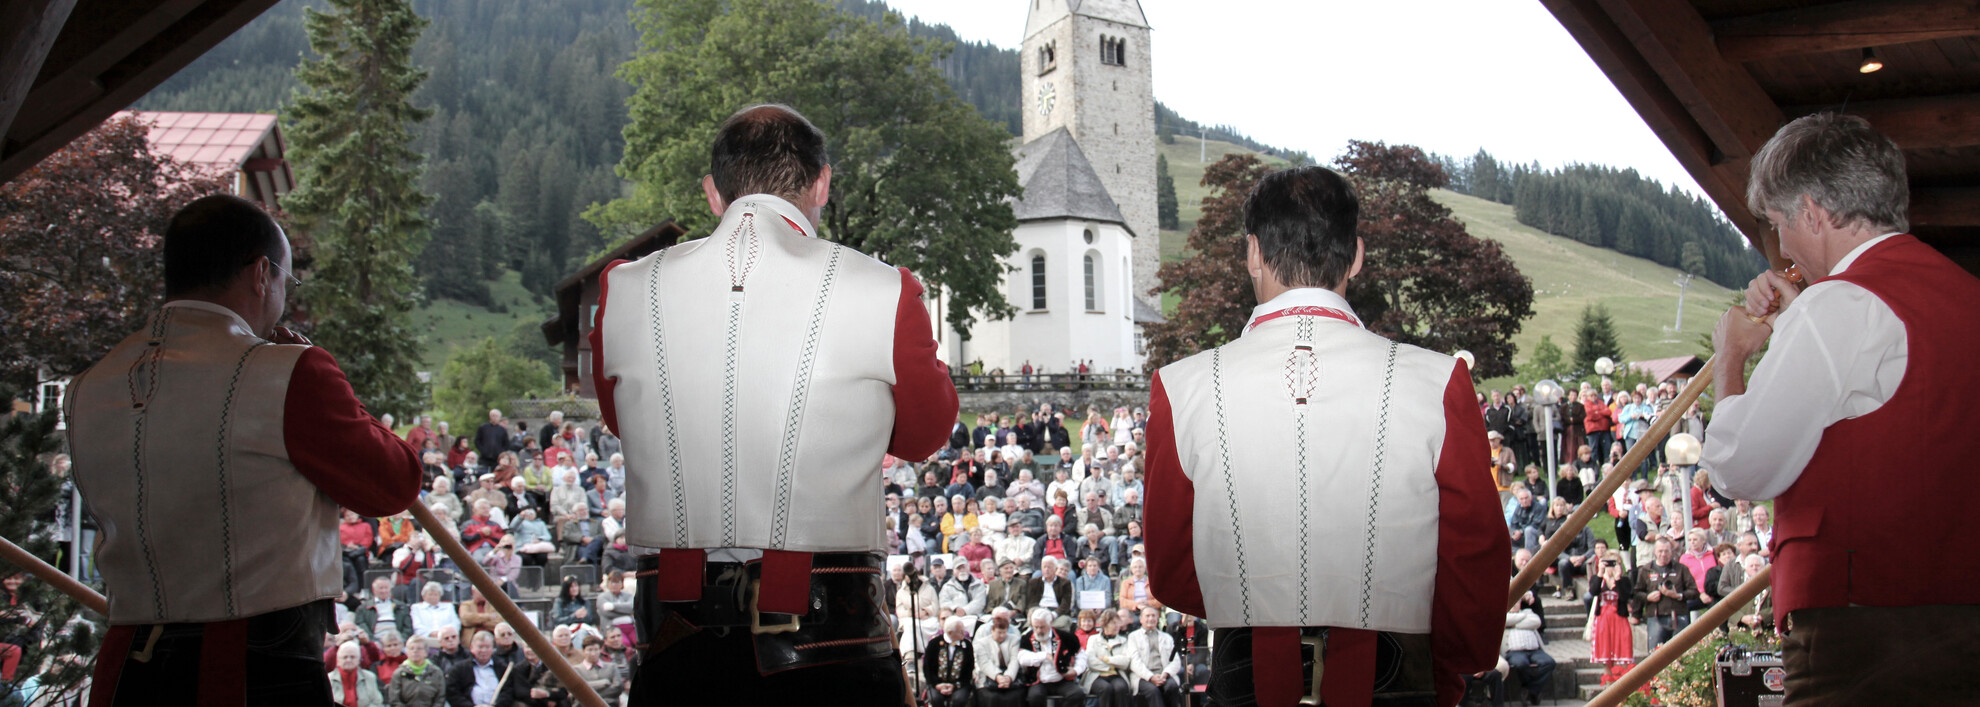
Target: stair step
(1561,633)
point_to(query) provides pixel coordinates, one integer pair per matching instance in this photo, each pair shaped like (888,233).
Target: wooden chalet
(577,304)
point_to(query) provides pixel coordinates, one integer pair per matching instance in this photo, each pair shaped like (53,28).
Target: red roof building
(248,146)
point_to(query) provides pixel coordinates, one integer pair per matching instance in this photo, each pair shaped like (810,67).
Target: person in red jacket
(1844,425)
(1600,421)
(756,378)
(215,448)
(1313,488)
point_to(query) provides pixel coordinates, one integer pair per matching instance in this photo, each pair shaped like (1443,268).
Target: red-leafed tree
(1424,280)
(79,260)
(1216,290)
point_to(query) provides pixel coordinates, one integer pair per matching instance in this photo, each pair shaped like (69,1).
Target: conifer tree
(1594,338)
(59,639)
(358,196)
(1166,206)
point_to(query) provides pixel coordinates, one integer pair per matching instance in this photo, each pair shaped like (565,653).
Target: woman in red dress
(1612,645)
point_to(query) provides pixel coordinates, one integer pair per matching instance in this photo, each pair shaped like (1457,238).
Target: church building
(1083,277)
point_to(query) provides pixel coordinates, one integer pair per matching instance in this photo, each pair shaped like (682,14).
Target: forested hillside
(1616,209)
(528,119)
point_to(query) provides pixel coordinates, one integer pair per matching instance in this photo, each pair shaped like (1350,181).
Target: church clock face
(1048,96)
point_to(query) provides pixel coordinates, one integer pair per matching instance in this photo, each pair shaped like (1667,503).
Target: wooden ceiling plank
(28,30)
(139,71)
(1945,206)
(1917,123)
(1725,100)
(1844,26)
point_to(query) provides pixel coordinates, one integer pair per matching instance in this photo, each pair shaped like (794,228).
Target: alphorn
(1708,622)
(511,613)
(1607,488)
(14,555)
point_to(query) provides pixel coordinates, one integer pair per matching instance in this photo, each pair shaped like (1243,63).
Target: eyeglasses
(286,275)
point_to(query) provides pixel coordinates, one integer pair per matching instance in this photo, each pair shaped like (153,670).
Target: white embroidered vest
(1312,445)
(178,449)
(754,386)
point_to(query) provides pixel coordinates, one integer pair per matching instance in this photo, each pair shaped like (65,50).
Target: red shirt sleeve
(599,382)
(1474,554)
(339,447)
(1168,512)
(924,398)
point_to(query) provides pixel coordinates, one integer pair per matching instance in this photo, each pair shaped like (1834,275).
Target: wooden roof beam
(1725,100)
(1945,206)
(1932,122)
(1844,26)
(28,29)
(62,114)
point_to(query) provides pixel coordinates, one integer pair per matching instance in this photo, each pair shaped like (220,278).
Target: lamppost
(1683,450)
(1605,365)
(1547,394)
(1470,361)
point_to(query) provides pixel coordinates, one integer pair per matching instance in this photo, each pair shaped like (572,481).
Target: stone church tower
(1085,68)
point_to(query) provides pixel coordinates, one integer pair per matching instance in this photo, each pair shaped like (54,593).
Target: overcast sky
(1449,76)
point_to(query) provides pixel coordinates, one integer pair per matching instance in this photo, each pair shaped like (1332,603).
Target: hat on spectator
(1494,434)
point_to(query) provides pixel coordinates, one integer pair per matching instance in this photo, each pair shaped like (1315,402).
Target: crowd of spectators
(1672,559)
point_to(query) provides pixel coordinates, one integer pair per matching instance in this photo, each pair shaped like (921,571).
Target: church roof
(1043,14)
(1059,183)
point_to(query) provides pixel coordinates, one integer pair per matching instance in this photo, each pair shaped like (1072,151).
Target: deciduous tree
(1425,280)
(358,195)
(488,375)
(1216,290)
(80,267)
(919,179)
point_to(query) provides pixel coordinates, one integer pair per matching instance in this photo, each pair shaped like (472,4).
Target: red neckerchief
(1310,311)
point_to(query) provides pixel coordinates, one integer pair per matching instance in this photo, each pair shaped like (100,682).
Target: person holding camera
(1610,643)
(1664,592)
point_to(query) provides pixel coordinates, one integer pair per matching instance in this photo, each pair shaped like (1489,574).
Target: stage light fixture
(1870,63)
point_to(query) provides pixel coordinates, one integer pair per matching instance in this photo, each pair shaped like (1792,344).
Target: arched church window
(1092,284)
(1038,281)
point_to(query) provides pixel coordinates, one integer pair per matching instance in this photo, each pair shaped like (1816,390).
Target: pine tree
(359,196)
(61,638)
(1594,338)
(1166,207)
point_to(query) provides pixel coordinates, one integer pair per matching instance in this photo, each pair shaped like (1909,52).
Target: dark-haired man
(215,447)
(1861,370)
(1312,443)
(804,362)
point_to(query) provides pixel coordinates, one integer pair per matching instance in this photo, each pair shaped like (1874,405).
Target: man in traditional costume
(756,378)
(1313,488)
(214,449)
(1849,425)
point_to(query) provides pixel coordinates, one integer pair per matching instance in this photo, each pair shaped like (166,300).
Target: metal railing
(1003,382)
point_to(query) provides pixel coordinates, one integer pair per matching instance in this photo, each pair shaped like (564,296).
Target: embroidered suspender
(223,449)
(739,268)
(144,373)
(666,387)
(1230,484)
(1375,483)
(1302,380)
(800,392)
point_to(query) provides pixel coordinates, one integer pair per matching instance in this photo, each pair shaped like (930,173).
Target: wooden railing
(1002,382)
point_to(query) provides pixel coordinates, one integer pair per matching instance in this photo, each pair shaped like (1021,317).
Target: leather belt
(845,619)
